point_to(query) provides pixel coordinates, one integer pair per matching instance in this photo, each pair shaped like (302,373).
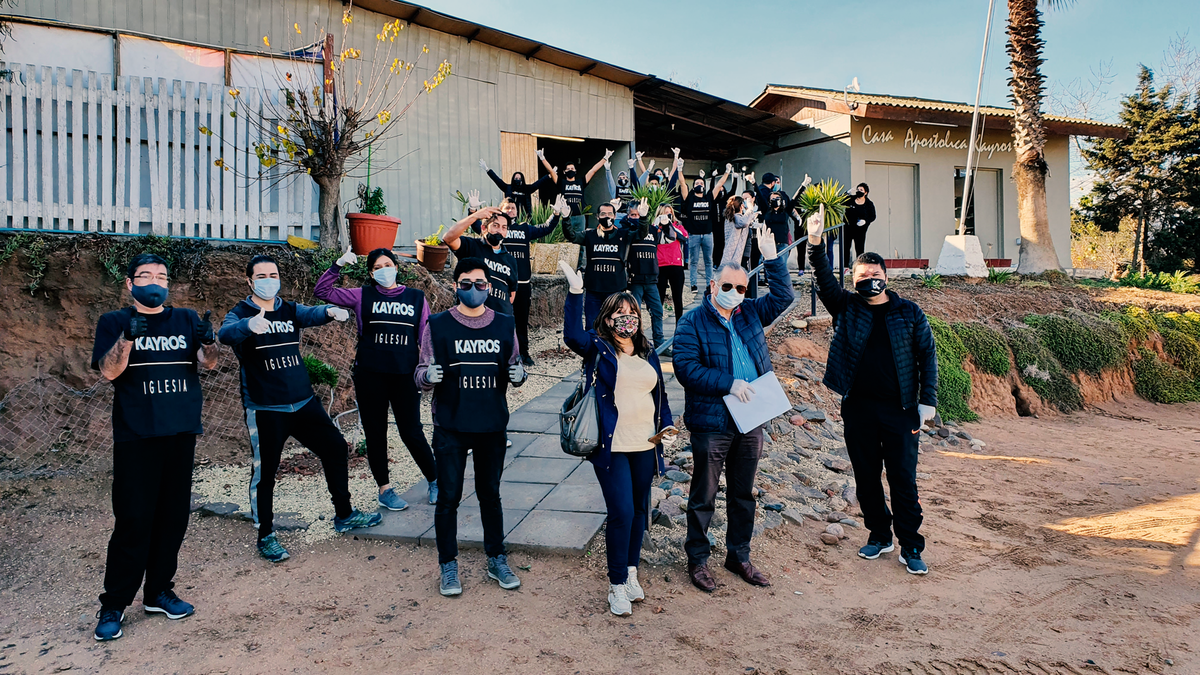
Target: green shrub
(1135,322)
(954,383)
(1159,381)
(996,276)
(985,345)
(1039,369)
(1175,282)
(1184,350)
(320,372)
(933,281)
(1188,322)
(1081,342)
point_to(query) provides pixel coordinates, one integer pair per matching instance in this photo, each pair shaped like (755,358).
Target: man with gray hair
(720,348)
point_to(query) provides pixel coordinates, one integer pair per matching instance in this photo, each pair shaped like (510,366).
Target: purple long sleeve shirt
(481,321)
(351,298)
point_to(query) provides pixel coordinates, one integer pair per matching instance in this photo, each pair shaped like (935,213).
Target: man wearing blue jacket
(720,348)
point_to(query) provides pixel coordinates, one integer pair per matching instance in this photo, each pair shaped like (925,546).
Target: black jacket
(855,212)
(912,340)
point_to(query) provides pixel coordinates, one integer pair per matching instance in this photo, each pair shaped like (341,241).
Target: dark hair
(378,253)
(864,186)
(518,173)
(614,210)
(605,331)
(260,258)
(145,259)
(870,258)
(733,206)
(470,265)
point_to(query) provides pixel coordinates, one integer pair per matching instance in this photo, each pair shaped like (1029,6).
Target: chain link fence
(48,428)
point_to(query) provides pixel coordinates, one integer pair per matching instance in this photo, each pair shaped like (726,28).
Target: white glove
(630,162)
(676,152)
(670,435)
(258,324)
(664,219)
(561,207)
(433,374)
(766,242)
(338,313)
(728,169)
(607,165)
(516,373)
(679,163)
(816,225)
(927,412)
(348,258)
(702,173)
(643,208)
(541,154)
(749,177)
(574,278)
(650,167)
(483,165)
(607,154)
(615,202)
(473,202)
(861,222)
(638,154)
(742,390)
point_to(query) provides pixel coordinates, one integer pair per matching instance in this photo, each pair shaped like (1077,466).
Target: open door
(518,152)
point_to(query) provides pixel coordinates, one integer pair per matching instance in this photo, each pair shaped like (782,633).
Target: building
(912,154)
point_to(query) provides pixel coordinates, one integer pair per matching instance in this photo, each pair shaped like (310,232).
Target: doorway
(894,191)
(984,218)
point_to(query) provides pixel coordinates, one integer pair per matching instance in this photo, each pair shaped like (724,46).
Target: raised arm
(608,178)
(721,183)
(453,236)
(587,178)
(553,171)
(115,360)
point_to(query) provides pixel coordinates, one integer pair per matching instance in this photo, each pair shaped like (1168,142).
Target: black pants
(858,237)
(672,275)
(521,314)
(878,436)
(451,448)
(718,243)
(626,489)
(375,391)
(312,427)
(151,498)
(738,454)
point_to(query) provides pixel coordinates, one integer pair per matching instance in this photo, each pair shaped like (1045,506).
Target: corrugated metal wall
(447,132)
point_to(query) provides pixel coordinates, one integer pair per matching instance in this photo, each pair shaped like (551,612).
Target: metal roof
(885,106)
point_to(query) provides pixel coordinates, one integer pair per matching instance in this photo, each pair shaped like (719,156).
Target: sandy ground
(1072,546)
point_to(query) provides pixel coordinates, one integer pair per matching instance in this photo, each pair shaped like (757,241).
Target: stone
(685,454)
(678,476)
(772,505)
(810,513)
(803,453)
(799,324)
(978,443)
(223,509)
(806,492)
(289,522)
(836,516)
(666,485)
(804,478)
(943,432)
(677,491)
(758,530)
(662,519)
(793,516)
(952,441)
(838,504)
(836,530)
(829,539)
(813,415)
(922,476)
(952,425)
(772,520)
(849,522)
(807,440)
(798,346)
(673,505)
(963,435)
(657,494)
(835,463)
(850,494)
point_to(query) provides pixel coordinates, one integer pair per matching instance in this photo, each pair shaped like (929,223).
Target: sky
(929,49)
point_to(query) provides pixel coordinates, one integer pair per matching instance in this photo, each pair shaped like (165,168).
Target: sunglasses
(466,284)
(740,288)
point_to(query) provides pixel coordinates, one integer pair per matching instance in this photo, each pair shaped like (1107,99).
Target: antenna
(853,105)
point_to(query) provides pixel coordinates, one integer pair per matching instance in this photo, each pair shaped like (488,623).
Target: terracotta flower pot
(432,258)
(369,232)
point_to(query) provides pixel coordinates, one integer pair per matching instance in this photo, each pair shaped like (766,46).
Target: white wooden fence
(87,152)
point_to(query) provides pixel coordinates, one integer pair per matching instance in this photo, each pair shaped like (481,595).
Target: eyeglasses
(146,276)
(740,288)
(479,284)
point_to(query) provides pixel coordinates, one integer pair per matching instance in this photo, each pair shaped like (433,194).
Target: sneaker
(388,499)
(108,624)
(527,361)
(911,559)
(633,590)
(874,548)
(357,519)
(499,570)
(270,548)
(433,492)
(168,603)
(450,584)
(618,601)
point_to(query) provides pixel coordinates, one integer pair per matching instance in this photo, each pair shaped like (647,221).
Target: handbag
(579,420)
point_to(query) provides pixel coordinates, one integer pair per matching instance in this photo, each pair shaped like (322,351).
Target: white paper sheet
(767,401)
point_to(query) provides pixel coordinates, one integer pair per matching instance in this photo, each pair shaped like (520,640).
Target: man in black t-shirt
(520,192)
(151,353)
(606,248)
(502,267)
(571,187)
(700,217)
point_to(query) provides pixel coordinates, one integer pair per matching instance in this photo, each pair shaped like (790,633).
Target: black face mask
(869,288)
(605,223)
(493,239)
(699,189)
(569,173)
(518,180)
(622,181)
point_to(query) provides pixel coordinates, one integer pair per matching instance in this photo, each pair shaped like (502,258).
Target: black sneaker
(874,548)
(168,603)
(108,624)
(357,519)
(270,548)
(911,559)
(693,289)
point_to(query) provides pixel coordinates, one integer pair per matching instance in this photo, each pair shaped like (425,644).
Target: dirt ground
(1071,546)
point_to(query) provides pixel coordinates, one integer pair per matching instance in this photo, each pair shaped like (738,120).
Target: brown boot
(747,571)
(702,578)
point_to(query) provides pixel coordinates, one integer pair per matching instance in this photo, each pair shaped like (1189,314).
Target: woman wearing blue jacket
(635,424)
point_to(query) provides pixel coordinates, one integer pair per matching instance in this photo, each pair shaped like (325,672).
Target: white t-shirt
(633,396)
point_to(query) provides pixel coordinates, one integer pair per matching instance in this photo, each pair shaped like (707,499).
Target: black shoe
(911,559)
(694,289)
(873,549)
(527,361)
(108,626)
(168,603)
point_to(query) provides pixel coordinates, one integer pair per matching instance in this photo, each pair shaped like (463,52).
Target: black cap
(769,178)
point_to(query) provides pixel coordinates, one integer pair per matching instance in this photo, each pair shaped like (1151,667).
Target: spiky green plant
(542,213)
(654,196)
(828,192)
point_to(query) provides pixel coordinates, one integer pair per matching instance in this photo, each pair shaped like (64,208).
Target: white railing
(87,152)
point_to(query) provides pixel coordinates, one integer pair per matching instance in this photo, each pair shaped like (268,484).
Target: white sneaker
(618,602)
(633,590)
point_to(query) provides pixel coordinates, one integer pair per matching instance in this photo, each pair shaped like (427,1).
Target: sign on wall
(916,141)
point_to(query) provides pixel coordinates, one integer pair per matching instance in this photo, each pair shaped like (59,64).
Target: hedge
(1039,368)
(954,383)
(985,345)
(1081,342)
(1159,381)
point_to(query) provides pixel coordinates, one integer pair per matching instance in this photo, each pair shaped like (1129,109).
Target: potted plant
(828,193)
(371,227)
(431,252)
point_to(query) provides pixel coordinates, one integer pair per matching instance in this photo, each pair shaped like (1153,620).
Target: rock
(836,530)
(773,506)
(799,324)
(963,435)
(804,492)
(850,494)
(678,491)
(835,463)
(829,539)
(798,346)
(289,522)
(952,425)
(686,454)
(803,453)
(793,516)
(662,519)
(223,509)
(813,415)
(754,534)
(836,516)
(772,520)
(978,443)
(849,522)
(672,506)
(838,504)
(806,440)
(657,494)
(922,476)
(197,502)
(952,441)
(804,478)
(666,485)
(943,432)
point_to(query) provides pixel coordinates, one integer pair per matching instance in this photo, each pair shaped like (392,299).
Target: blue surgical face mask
(266,288)
(150,295)
(730,298)
(385,276)
(471,298)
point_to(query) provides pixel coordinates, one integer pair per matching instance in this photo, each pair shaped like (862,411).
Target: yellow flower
(346,18)
(297,27)
(234,92)
(384,116)
(281,130)
(266,41)
(425,49)
(219,162)
(369,134)
(310,152)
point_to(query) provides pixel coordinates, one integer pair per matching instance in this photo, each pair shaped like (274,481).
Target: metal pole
(987,32)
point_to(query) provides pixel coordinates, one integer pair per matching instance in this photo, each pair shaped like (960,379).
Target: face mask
(775,187)
(518,180)
(699,189)
(471,298)
(385,276)
(626,325)
(622,181)
(569,173)
(730,298)
(493,239)
(860,194)
(150,295)
(869,288)
(606,223)
(266,288)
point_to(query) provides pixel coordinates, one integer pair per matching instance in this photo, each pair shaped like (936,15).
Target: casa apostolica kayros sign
(934,141)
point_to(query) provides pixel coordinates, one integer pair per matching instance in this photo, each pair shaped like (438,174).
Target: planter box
(998,262)
(545,257)
(906,263)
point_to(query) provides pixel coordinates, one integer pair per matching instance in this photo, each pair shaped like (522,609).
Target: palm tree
(1029,133)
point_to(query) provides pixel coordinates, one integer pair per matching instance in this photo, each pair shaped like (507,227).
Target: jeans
(450,448)
(592,302)
(879,437)
(151,496)
(310,425)
(700,249)
(521,314)
(375,392)
(647,294)
(672,275)
(738,454)
(626,488)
